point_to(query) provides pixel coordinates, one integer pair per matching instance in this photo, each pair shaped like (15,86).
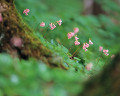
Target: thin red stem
(75,51)
(100,58)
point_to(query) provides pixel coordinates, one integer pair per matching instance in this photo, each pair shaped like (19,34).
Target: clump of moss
(12,25)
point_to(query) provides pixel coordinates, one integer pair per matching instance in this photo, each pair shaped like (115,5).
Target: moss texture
(12,25)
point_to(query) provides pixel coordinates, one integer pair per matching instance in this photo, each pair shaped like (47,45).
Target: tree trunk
(17,39)
(107,83)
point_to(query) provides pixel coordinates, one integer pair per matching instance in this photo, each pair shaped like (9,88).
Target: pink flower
(90,42)
(100,48)
(87,45)
(84,46)
(105,52)
(59,22)
(1,19)
(16,41)
(76,38)
(42,24)
(77,43)
(89,66)
(26,11)
(86,49)
(76,30)
(52,26)
(70,35)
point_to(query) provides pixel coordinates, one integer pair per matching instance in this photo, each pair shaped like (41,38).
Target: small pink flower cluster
(42,24)
(26,11)
(1,19)
(76,41)
(59,22)
(104,50)
(86,45)
(76,30)
(71,34)
(52,26)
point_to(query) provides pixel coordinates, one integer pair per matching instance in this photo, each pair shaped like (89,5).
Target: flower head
(86,45)
(76,30)
(76,38)
(105,52)
(52,26)
(100,48)
(76,42)
(70,35)
(90,42)
(16,41)
(59,22)
(86,49)
(26,11)
(42,24)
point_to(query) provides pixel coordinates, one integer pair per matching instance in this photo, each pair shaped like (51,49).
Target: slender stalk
(75,51)
(100,58)
(48,31)
(46,34)
(70,48)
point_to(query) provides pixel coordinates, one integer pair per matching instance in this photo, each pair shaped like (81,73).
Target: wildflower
(59,22)
(76,30)
(26,11)
(42,24)
(86,49)
(90,42)
(100,48)
(52,26)
(89,66)
(84,46)
(76,38)
(16,41)
(76,42)
(87,45)
(105,52)
(70,35)
(1,19)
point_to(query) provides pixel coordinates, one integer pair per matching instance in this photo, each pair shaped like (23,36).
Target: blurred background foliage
(34,78)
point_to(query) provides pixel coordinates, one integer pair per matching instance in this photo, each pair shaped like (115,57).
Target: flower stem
(70,48)
(46,34)
(100,58)
(75,52)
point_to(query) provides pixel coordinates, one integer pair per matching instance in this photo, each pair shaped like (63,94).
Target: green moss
(13,25)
